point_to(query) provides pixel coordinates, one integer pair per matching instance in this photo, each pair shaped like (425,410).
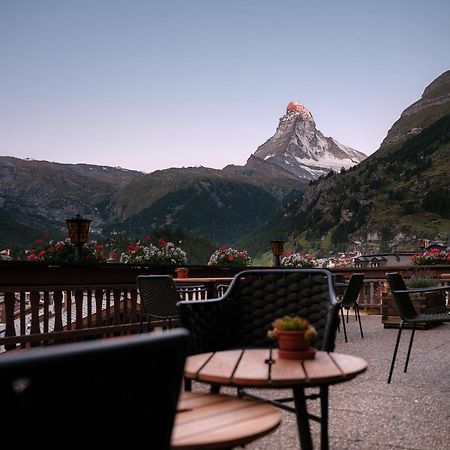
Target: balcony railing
(44,305)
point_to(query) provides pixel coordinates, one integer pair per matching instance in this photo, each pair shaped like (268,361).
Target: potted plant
(227,256)
(182,272)
(298,260)
(294,335)
(148,252)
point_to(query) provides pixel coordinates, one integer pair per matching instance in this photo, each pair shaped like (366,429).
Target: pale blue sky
(148,85)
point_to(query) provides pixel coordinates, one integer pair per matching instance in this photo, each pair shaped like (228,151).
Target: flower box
(427,302)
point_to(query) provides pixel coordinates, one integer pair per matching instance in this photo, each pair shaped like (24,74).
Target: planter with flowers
(432,257)
(64,251)
(227,256)
(158,252)
(297,260)
(294,335)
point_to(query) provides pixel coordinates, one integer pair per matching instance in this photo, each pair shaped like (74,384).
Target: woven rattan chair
(159,297)
(221,289)
(242,317)
(350,299)
(408,314)
(91,395)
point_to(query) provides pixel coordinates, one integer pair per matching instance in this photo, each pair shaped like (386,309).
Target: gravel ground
(413,412)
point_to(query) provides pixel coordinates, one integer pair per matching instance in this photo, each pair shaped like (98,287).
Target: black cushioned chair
(350,299)
(97,394)
(408,314)
(244,314)
(159,297)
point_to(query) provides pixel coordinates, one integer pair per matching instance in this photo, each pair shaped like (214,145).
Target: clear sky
(149,85)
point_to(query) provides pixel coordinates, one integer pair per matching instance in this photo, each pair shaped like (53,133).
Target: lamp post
(277,251)
(78,229)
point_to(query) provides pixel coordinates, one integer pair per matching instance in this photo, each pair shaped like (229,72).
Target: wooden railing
(43,305)
(44,315)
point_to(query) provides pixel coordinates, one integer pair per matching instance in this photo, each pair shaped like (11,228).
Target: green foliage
(437,200)
(215,210)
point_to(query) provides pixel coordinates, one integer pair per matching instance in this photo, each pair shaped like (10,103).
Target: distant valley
(285,189)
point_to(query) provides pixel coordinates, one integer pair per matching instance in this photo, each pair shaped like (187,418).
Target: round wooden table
(213,421)
(261,368)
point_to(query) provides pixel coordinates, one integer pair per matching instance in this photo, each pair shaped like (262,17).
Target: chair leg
(348,309)
(324,417)
(343,324)
(359,319)
(187,385)
(394,356)
(413,332)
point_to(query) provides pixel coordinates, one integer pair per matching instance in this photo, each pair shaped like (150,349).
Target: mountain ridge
(398,195)
(300,148)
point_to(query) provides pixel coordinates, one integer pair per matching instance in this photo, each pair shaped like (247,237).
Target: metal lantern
(277,250)
(78,229)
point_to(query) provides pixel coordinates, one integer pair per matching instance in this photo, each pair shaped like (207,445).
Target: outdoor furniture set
(223,342)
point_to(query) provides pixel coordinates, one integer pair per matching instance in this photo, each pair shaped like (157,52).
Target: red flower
(147,238)
(230,258)
(41,253)
(162,242)
(39,242)
(223,248)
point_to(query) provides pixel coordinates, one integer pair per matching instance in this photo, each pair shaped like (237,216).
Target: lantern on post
(78,229)
(277,251)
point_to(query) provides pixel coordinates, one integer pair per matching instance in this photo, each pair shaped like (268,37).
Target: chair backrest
(339,278)
(158,295)
(402,299)
(255,298)
(114,394)
(352,291)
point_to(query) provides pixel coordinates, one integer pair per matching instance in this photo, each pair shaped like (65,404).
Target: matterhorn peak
(296,107)
(298,147)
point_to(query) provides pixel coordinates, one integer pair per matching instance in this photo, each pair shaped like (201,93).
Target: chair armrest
(418,290)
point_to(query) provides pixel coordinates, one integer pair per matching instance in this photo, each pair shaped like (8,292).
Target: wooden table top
(210,421)
(252,368)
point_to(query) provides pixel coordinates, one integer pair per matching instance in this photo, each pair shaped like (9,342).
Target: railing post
(10,329)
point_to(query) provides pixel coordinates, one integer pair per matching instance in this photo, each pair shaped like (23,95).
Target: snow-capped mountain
(300,148)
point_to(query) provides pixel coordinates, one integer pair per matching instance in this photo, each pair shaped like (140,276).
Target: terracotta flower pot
(182,272)
(293,345)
